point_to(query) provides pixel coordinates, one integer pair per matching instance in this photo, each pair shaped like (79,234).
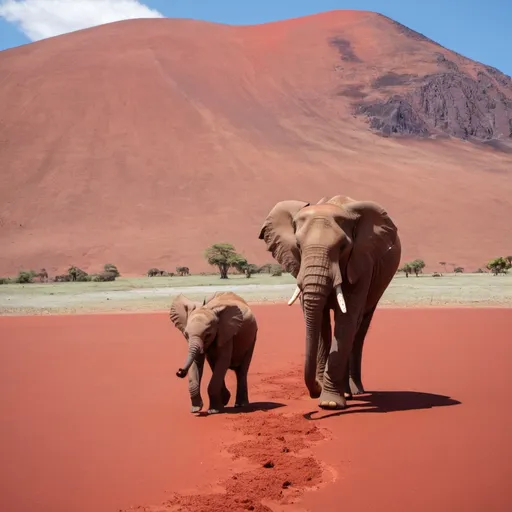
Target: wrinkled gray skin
(224,331)
(339,241)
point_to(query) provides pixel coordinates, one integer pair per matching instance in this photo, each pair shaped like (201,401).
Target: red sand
(142,142)
(94,420)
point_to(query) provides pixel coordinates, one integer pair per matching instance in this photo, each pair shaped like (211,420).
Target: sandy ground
(144,294)
(94,419)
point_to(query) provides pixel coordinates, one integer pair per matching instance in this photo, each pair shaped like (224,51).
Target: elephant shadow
(252,407)
(387,401)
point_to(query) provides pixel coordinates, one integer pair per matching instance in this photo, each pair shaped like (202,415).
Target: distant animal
(223,329)
(43,275)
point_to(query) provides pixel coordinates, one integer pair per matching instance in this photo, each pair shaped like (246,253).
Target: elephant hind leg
(356,355)
(242,389)
(226,395)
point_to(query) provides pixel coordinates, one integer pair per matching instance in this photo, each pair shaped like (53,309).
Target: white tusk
(341,300)
(296,293)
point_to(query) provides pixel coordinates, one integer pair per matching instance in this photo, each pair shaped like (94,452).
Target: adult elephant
(343,254)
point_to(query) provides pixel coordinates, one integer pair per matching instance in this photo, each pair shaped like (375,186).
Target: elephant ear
(210,298)
(278,233)
(180,309)
(231,318)
(374,234)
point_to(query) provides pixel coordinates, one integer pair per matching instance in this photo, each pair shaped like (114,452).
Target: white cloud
(39,19)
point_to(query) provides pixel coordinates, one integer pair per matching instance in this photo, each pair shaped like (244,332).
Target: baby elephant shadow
(252,407)
(389,401)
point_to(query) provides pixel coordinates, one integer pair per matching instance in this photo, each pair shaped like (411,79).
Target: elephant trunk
(316,279)
(195,348)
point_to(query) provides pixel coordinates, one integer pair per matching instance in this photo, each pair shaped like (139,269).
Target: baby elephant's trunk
(194,349)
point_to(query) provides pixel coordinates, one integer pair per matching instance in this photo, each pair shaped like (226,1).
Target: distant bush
(415,267)
(183,271)
(499,265)
(25,277)
(458,270)
(63,278)
(77,274)
(109,267)
(265,269)
(104,276)
(276,270)
(4,280)
(154,272)
(251,269)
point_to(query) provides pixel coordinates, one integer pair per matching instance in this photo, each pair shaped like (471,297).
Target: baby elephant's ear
(180,309)
(230,321)
(210,298)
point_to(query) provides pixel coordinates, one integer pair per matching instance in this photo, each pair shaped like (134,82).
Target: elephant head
(202,325)
(325,246)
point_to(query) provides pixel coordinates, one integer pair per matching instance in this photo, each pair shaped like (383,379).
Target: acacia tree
(406,269)
(224,257)
(417,266)
(498,266)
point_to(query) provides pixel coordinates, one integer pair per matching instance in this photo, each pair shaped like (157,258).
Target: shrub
(24,277)
(265,269)
(4,280)
(250,269)
(109,267)
(499,266)
(77,274)
(104,276)
(276,270)
(458,270)
(63,278)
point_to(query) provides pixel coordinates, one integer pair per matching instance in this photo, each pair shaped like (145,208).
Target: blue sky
(451,23)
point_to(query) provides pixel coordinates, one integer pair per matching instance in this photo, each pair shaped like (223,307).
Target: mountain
(142,142)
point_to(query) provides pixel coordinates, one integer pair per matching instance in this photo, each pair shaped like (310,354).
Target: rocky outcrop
(449,102)
(394,116)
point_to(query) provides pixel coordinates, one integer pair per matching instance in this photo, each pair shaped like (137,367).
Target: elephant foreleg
(356,356)
(195,374)
(324,346)
(226,395)
(333,392)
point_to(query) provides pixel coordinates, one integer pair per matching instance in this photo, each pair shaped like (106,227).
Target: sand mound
(142,142)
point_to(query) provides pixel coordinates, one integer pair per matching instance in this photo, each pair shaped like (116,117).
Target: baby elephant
(224,329)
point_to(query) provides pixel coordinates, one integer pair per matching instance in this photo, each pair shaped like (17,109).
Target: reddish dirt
(142,142)
(94,419)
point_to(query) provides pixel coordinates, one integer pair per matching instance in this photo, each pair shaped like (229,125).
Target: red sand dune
(94,419)
(142,142)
